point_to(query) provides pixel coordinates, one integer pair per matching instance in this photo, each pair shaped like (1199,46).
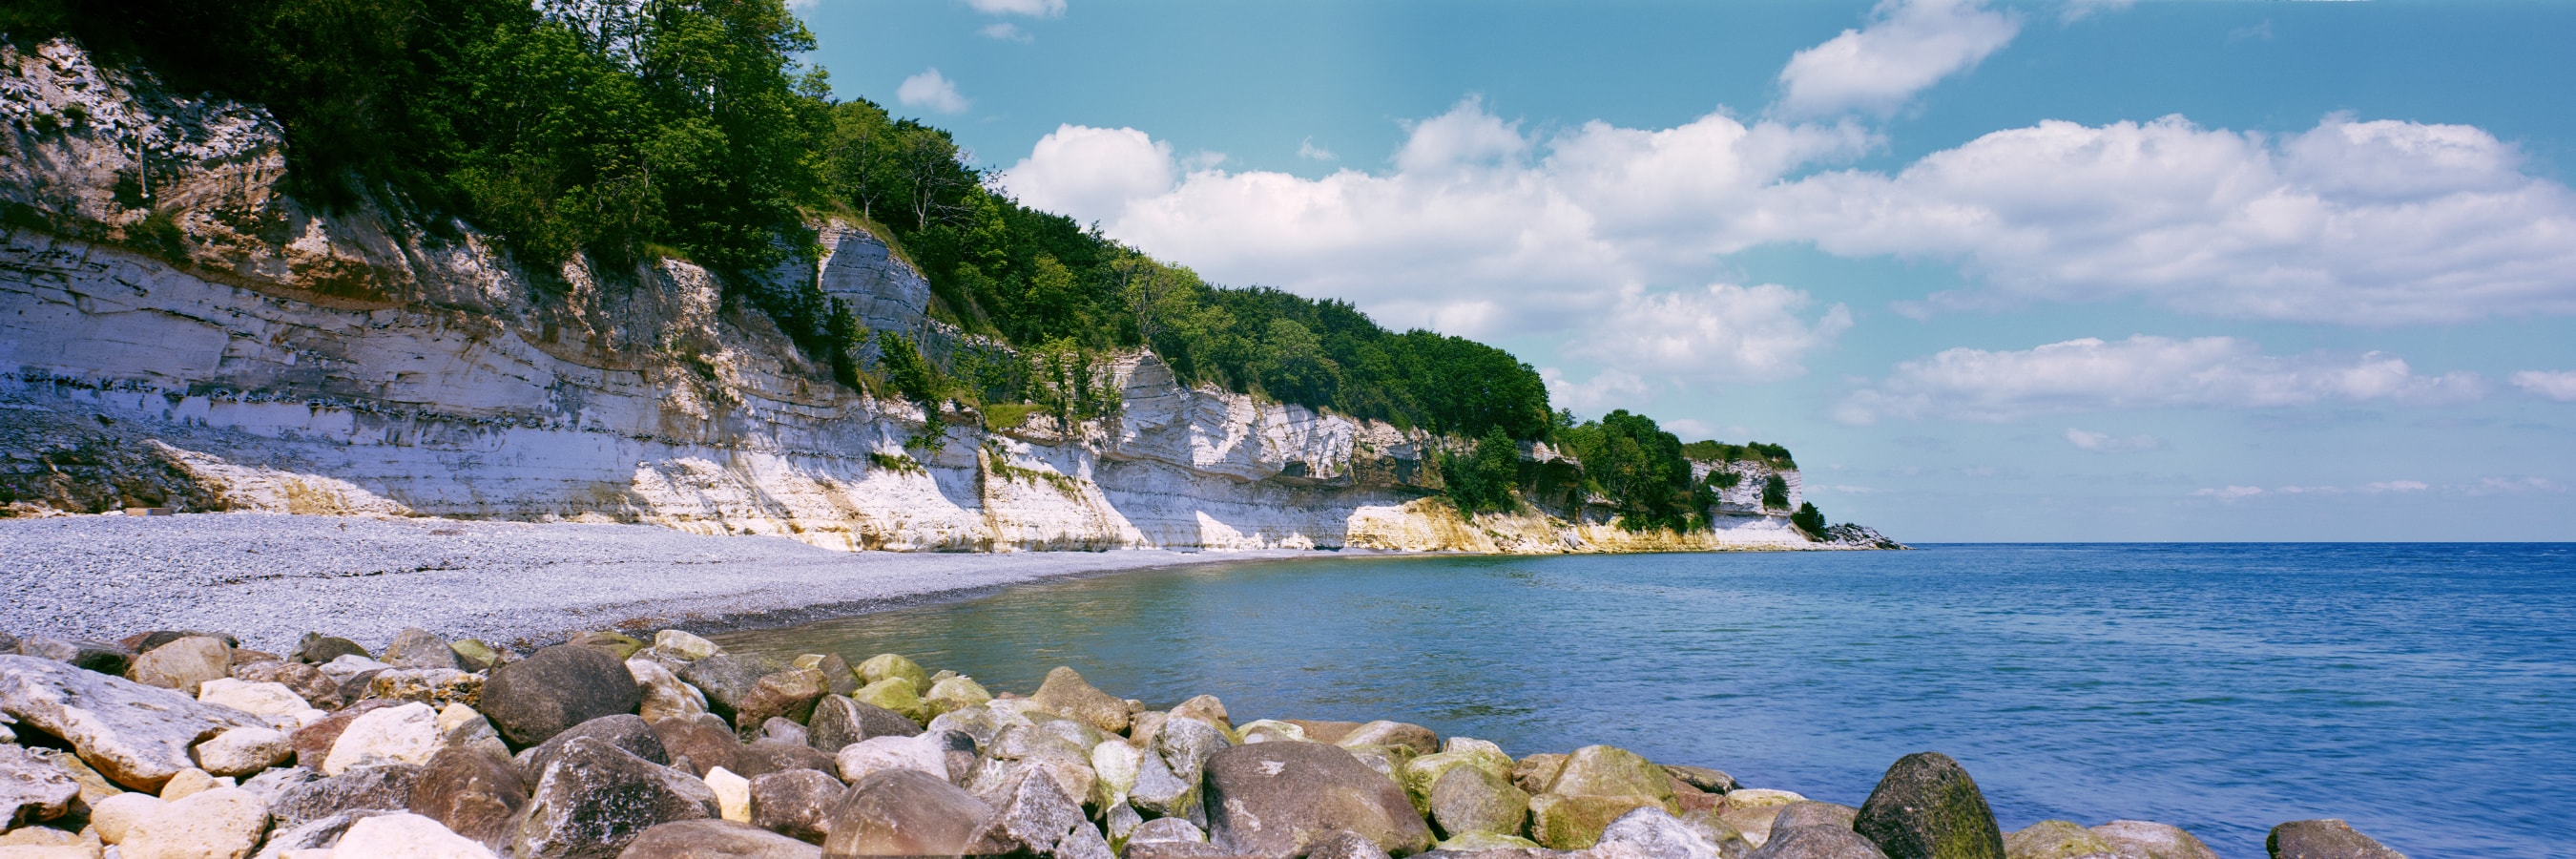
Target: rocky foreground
(183,744)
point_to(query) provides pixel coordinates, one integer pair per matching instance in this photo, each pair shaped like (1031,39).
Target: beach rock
(2324,839)
(351,670)
(183,664)
(838,677)
(698,743)
(555,688)
(908,812)
(779,729)
(665,695)
(889,665)
(788,694)
(1562,822)
(1163,793)
(145,641)
(1419,774)
(627,733)
(1065,693)
(136,735)
(2047,839)
(224,823)
(276,703)
(1473,799)
(308,682)
(796,803)
(895,694)
(1611,771)
(1277,799)
(1270,730)
(1205,708)
(1033,814)
(1751,810)
(955,693)
(191,781)
(313,742)
(683,647)
(113,816)
(477,655)
(317,649)
(716,839)
(594,798)
(461,726)
(1818,842)
(2139,839)
(1185,744)
(244,751)
(104,657)
(763,757)
(725,678)
(1651,833)
(406,836)
(733,794)
(32,788)
(436,687)
(417,648)
(275,783)
(1703,778)
(1166,829)
(926,754)
(1811,813)
(1927,807)
(472,793)
(375,787)
(1414,739)
(405,734)
(616,644)
(839,721)
(314,835)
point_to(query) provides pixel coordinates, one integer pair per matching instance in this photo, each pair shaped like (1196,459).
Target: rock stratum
(177,331)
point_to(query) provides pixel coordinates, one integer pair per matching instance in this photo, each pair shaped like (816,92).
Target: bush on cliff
(1485,479)
(1809,520)
(1640,469)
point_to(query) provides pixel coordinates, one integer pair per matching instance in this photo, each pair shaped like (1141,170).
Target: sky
(1993,271)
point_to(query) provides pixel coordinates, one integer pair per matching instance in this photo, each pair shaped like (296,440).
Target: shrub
(1809,519)
(1775,493)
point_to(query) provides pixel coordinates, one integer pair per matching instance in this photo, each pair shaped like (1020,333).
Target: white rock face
(356,364)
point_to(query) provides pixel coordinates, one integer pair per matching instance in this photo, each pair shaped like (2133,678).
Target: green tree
(1775,493)
(1809,520)
(1486,478)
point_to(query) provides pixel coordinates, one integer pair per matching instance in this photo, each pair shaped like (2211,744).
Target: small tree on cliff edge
(1775,493)
(1809,519)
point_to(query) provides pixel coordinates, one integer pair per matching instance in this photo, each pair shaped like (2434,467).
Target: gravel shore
(269,578)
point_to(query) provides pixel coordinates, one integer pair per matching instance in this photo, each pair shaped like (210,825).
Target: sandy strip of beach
(269,578)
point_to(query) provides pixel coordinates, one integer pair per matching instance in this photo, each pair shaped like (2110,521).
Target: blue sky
(2190,270)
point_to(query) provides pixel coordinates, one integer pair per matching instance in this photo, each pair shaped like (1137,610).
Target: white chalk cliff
(217,345)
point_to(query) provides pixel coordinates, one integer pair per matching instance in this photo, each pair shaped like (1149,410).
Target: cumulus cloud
(1005,31)
(931,91)
(1308,150)
(2558,385)
(1604,390)
(1907,46)
(1031,8)
(2141,372)
(1752,333)
(2098,442)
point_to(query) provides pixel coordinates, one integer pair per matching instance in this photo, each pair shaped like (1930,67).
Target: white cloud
(2137,373)
(1083,171)
(2098,442)
(932,91)
(2077,10)
(1031,8)
(2484,486)
(1005,31)
(1308,150)
(1752,333)
(1606,389)
(2514,486)
(1907,46)
(2558,385)
(2230,493)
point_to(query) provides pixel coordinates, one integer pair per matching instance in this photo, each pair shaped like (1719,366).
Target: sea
(2424,692)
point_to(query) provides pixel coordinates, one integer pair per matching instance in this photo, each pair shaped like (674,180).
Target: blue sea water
(2426,693)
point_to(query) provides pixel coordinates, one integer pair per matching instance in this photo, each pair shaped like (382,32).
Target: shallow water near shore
(2426,693)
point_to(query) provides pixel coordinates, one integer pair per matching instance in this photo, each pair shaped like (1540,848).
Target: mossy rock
(1477,842)
(884,665)
(954,693)
(478,656)
(1927,807)
(2056,839)
(617,644)
(1562,822)
(1419,774)
(1611,771)
(893,693)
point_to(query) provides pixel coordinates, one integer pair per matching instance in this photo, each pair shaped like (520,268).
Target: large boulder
(1651,833)
(224,823)
(907,812)
(406,734)
(1066,694)
(626,732)
(136,735)
(277,703)
(2324,839)
(1032,815)
(699,743)
(664,695)
(375,787)
(1279,799)
(244,751)
(595,798)
(796,803)
(1419,774)
(1562,822)
(951,694)
(32,788)
(769,756)
(1612,771)
(726,678)
(890,665)
(533,699)
(1927,807)
(893,693)
(101,656)
(839,721)
(318,649)
(1818,842)
(183,663)
(472,793)
(406,836)
(926,754)
(313,742)
(788,694)
(2139,839)
(1468,799)
(2052,839)
(417,648)
(716,839)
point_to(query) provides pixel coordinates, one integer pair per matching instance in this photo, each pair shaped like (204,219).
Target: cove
(2421,691)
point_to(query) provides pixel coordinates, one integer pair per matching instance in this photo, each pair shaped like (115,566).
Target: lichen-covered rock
(1927,807)
(950,694)
(136,735)
(616,644)
(664,695)
(796,803)
(374,787)
(682,646)
(555,688)
(405,734)
(2050,839)
(1468,799)
(406,836)
(1277,799)
(1065,693)
(1562,822)
(788,694)
(625,732)
(1611,771)
(594,798)
(417,648)
(32,788)
(244,751)
(2139,839)
(1419,774)
(1414,739)
(2324,839)
(472,793)
(478,655)
(726,677)
(885,665)
(716,839)
(839,721)
(894,694)
(907,812)
(699,743)
(224,823)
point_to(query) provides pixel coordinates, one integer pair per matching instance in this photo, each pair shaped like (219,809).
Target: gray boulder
(1343,845)
(317,649)
(2056,839)
(906,812)
(2324,839)
(788,694)
(594,798)
(839,721)
(625,731)
(2139,839)
(780,729)
(32,788)
(471,793)
(1279,799)
(1469,799)
(320,834)
(715,839)
(796,803)
(1818,842)
(726,679)
(183,663)
(1065,693)
(1034,815)
(1162,829)
(763,757)
(1652,833)
(1812,813)
(1703,778)
(372,787)
(101,656)
(699,743)
(135,735)
(1927,807)
(417,648)
(533,699)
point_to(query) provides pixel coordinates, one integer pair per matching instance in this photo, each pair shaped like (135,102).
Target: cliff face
(175,331)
